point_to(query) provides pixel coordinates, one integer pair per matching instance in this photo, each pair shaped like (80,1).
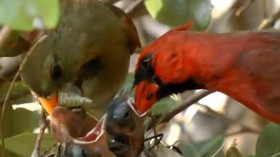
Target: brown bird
(94,144)
(67,124)
(90,48)
(119,132)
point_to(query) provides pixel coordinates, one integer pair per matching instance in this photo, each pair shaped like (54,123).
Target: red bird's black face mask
(150,88)
(155,76)
(146,86)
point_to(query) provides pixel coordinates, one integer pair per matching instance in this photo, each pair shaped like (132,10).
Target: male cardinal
(90,48)
(245,66)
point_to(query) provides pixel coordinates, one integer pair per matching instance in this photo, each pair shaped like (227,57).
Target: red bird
(245,66)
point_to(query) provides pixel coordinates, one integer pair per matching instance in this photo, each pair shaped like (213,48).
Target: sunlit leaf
(23,144)
(268,143)
(177,12)
(29,14)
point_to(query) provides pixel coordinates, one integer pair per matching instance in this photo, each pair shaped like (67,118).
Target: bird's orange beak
(49,103)
(145,96)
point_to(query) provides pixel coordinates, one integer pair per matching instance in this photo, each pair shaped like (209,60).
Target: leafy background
(199,130)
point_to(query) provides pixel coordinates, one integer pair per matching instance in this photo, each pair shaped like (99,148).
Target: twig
(135,8)
(274,155)
(5,34)
(111,2)
(11,43)
(185,104)
(160,119)
(10,89)
(223,145)
(242,131)
(267,22)
(43,125)
(243,7)
(244,128)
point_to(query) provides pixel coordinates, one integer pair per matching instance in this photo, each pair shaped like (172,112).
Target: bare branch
(242,131)
(11,43)
(185,104)
(111,2)
(160,119)
(243,7)
(267,22)
(9,67)
(136,9)
(244,128)
(43,126)
(5,34)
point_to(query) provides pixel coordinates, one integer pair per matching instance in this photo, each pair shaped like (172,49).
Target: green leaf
(23,120)
(23,144)
(8,120)
(163,105)
(233,152)
(29,14)
(204,148)
(268,143)
(177,12)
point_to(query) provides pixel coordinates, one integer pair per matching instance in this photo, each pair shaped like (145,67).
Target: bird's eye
(146,63)
(149,96)
(84,153)
(56,71)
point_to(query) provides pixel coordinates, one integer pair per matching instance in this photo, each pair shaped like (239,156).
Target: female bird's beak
(49,103)
(145,96)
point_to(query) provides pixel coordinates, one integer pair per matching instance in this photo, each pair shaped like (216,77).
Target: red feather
(245,66)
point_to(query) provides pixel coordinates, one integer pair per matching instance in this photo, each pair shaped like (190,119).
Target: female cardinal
(245,66)
(89,48)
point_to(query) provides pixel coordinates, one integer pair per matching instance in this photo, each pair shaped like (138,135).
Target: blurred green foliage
(268,143)
(178,12)
(205,148)
(23,144)
(29,14)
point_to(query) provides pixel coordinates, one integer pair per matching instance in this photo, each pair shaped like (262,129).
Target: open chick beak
(145,96)
(50,102)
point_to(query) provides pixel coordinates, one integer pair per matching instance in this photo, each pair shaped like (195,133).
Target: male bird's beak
(145,96)
(49,103)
